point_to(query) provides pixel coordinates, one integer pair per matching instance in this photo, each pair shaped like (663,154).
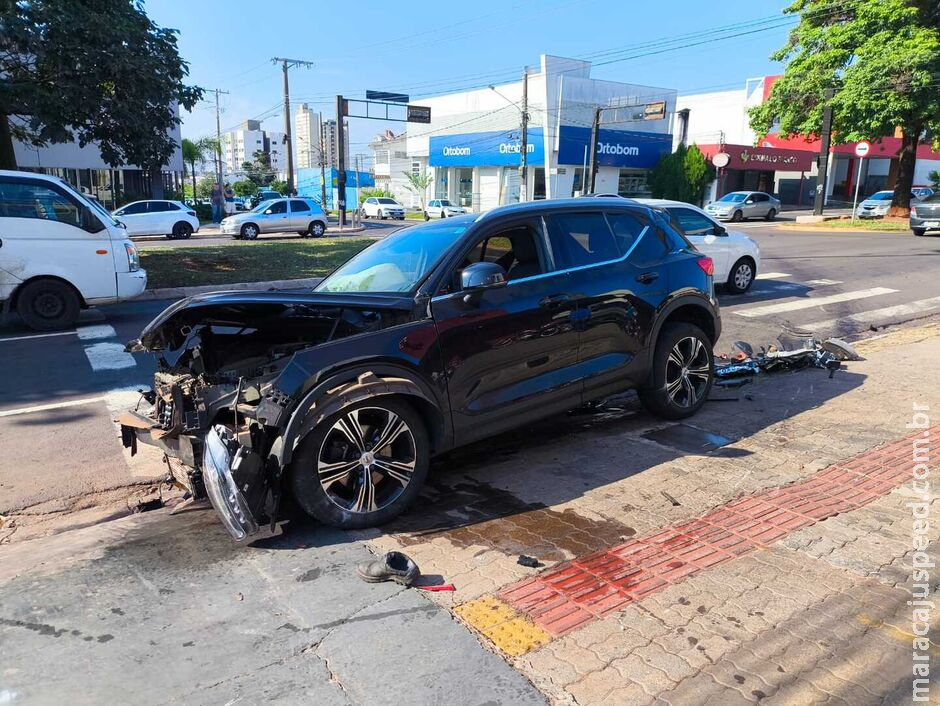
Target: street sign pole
(861,150)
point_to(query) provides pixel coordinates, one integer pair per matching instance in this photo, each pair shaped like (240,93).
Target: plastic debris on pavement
(796,350)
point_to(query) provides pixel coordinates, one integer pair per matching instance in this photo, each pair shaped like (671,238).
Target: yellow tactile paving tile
(507,629)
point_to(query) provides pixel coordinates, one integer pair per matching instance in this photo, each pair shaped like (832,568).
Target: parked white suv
(173,219)
(442,208)
(736,257)
(60,251)
(381,207)
(303,216)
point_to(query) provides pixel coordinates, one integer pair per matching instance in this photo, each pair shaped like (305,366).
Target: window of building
(583,239)
(577,184)
(538,187)
(416,168)
(633,183)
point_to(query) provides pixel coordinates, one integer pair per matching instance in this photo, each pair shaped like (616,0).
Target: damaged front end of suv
(241,377)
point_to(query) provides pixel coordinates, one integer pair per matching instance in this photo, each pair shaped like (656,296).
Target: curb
(274,285)
(207,233)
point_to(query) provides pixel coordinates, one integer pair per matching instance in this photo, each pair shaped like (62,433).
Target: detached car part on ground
(434,337)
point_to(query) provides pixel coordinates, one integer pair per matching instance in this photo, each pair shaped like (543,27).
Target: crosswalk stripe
(864,317)
(811,302)
(54,405)
(822,282)
(772,275)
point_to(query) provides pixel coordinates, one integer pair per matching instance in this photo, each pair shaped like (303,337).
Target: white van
(60,251)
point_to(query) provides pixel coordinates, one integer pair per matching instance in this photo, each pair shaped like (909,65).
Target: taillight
(707,265)
(913,210)
(191,213)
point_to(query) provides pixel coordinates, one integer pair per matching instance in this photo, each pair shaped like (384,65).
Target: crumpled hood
(273,310)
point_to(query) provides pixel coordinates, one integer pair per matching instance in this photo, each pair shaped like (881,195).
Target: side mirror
(480,276)
(749,202)
(719,230)
(268,211)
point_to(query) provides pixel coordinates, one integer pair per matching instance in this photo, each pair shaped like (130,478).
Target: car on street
(736,257)
(282,215)
(60,252)
(433,337)
(263,195)
(877,205)
(921,192)
(382,207)
(174,219)
(742,205)
(925,215)
(442,208)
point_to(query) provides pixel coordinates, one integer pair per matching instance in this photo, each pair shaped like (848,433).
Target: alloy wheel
(687,371)
(366,459)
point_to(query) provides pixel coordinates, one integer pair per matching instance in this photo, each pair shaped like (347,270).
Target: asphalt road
(62,391)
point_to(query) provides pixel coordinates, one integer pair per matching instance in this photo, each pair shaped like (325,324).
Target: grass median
(881,225)
(247,261)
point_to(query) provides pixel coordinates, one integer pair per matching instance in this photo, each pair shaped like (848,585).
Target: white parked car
(736,257)
(60,252)
(300,215)
(173,219)
(381,207)
(442,208)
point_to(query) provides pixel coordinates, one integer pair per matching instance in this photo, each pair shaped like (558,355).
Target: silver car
(740,205)
(300,215)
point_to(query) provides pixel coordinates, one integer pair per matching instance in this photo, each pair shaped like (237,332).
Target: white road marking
(811,302)
(37,335)
(889,312)
(822,282)
(772,275)
(96,333)
(108,356)
(53,405)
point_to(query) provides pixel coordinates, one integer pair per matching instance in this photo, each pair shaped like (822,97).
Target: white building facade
(472,148)
(391,165)
(239,146)
(307,137)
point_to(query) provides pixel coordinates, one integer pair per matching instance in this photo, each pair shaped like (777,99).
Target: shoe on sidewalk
(394,566)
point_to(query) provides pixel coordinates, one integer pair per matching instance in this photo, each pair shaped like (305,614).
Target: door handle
(554,301)
(647,277)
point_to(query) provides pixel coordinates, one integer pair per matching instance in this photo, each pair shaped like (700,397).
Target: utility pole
(285,65)
(218,134)
(524,161)
(825,138)
(595,128)
(358,216)
(341,159)
(322,166)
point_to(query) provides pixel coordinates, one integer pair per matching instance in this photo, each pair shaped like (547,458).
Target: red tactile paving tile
(574,593)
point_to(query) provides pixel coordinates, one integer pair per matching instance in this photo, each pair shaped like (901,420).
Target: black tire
(771,214)
(182,231)
(919,232)
(48,305)
(380,215)
(316,229)
(325,440)
(741,276)
(680,403)
(250,231)
(737,217)
(426,216)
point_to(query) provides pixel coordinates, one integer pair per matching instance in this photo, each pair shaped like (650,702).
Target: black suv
(434,337)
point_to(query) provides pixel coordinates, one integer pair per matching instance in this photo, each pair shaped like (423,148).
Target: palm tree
(418,183)
(194,152)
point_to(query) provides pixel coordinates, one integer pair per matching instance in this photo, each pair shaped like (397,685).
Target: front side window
(691,222)
(298,206)
(514,248)
(276,207)
(399,262)
(760,198)
(583,239)
(35,200)
(133,209)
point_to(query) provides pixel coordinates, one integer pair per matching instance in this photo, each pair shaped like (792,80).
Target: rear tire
(919,232)
(316,229)
(682,373)
(325,453)
(771,214)
(741,276)
(182,231)
(48,305)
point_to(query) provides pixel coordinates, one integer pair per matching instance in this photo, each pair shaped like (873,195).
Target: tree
(418,184)
(280,187)
(204,186)
(681,175)
(244,188)
(93,71)
(880,57)
(258,171)
(374,192)
(194,152)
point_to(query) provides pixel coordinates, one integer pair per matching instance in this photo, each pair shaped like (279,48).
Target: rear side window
(34,200)
(627,228)
(583,239)
(691,222)
(296,206)
(158,206)
(650,248)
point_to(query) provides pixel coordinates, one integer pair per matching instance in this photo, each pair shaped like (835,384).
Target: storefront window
(538,186)
(465,187)
(632,183)
(577,184)
(441,181)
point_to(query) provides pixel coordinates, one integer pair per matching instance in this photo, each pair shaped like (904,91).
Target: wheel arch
(688,308)
(352,385)
(14,297)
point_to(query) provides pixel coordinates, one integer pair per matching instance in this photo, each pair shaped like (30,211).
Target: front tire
(682,373)
(919,232)
(381,215)
(426,216)
(363,465)
(741,276)
(737,217)
(249,231)
(48,305)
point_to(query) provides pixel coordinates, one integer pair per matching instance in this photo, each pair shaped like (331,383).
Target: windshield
(881,196)
(392,202)
(398,263)
(445,202)
(733,197)
(101,211)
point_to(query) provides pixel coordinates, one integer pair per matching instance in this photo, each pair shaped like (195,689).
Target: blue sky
(428,48)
